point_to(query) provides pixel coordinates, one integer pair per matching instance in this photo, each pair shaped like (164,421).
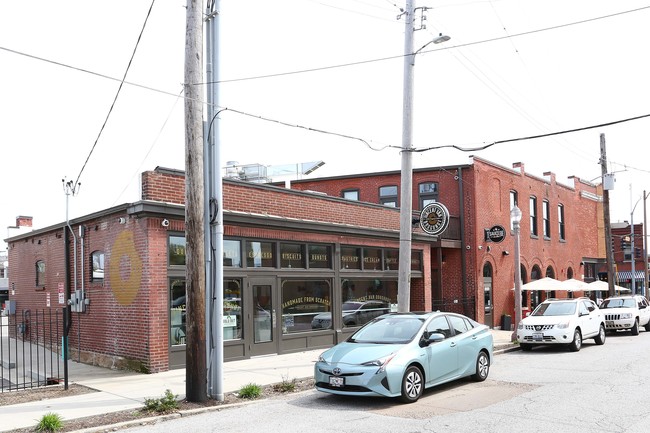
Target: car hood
(545,320)
(358,353)
(618,310)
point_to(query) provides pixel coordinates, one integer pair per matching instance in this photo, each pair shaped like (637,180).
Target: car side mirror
(436,337)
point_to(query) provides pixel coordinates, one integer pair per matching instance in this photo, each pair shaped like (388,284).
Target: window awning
(627,275)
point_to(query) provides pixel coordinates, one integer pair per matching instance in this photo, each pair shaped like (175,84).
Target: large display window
(306,305)
(364,299)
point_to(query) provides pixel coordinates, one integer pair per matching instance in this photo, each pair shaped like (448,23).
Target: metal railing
(31,354)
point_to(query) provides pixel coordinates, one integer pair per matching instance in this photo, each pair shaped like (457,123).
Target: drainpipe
(463,248)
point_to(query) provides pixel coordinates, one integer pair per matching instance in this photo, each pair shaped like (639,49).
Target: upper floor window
(546,215)
(350,194)
(232,253)
(97,260)
(292,255)
(514,201)
(40,273)
(560,222)
(533,215)
(260,254)
(176,250)
(388,195)
(428,193)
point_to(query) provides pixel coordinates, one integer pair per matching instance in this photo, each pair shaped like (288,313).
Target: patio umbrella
(603,286)
(545,284)
(573,285)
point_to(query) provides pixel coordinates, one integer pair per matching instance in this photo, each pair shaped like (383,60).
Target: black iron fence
(31,349)
(462,306)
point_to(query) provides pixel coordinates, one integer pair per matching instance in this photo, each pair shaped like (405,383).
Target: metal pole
(645,248)
(632,255)
(406,185)
(606,219)
(214,211)
(515,230)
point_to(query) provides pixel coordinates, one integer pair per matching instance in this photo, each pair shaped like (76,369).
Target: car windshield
(351,306)
(555,309)
(618,303)
(388,330)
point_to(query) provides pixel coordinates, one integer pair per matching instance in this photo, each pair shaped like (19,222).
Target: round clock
(434,218)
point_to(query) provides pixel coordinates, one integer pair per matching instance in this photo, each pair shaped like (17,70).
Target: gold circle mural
(125,269)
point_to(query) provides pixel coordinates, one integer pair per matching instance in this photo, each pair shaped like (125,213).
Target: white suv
(626,312)
(562,321)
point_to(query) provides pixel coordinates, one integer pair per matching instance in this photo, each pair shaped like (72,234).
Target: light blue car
(401,354)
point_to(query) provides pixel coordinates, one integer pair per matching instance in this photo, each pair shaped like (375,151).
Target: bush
(50,422)
(167,403)
(252,390)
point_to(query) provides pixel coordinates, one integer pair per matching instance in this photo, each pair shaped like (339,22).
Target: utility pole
(645,247)
(609,254)
(195,354)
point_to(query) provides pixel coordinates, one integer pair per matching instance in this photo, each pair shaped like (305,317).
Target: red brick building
(561,230)
(303,266)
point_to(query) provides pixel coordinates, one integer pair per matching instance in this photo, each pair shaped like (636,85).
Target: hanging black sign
(495,234)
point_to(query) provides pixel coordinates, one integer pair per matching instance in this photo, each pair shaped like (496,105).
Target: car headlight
(520,325)
(381,363)
(563,325)
(626,315)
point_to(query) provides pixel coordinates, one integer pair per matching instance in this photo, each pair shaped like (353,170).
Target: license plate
(337,381)
(538,336)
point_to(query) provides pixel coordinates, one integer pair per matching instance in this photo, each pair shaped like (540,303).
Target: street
(598,389)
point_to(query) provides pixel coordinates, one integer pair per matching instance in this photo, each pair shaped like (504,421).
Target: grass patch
(251,391)
(285,386)
(166,403)
(50,422)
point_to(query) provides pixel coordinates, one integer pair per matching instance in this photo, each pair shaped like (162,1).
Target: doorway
(264,338)
(487,292)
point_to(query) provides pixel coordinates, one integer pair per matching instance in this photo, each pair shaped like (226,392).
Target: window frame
(560,222)
(39,268)
(345,192)
(532,208)
(427,197)
(390,198)
(101,258)
(546,219)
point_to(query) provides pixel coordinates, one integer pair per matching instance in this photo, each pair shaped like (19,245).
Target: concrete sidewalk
(125,390)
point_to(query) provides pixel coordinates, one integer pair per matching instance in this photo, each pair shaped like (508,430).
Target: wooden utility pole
(195,370)
(609,254)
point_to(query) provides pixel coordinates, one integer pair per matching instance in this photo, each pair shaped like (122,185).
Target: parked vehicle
(401,354)
(627,312)
(355,313)
(562,321)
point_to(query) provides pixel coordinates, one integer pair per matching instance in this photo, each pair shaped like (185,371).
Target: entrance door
(264,336)
(487,299)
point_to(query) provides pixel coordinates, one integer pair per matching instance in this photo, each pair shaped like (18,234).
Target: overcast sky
(512,69)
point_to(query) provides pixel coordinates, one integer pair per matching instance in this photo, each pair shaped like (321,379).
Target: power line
(110,110)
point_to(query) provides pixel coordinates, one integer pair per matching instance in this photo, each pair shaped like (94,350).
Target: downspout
(463,248)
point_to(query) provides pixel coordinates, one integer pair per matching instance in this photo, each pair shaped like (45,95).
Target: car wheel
(412,385)
(482,367)
(635,327)
(576,344)
(647,326)
(600,338)
(526,347)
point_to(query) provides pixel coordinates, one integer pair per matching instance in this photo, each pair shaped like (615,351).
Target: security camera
(165,222)
(121,220)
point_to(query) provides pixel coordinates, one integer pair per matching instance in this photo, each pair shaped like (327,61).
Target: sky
(319,80)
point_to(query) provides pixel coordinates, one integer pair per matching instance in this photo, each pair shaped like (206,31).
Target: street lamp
(406,182)
(515,219)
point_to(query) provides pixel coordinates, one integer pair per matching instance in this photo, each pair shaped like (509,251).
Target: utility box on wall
(10,306)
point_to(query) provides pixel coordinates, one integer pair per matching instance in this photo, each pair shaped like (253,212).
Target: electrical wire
(110,110)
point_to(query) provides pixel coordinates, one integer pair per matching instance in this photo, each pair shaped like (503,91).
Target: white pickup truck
(626,312)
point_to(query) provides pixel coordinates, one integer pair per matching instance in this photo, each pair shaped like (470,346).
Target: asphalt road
(599,389)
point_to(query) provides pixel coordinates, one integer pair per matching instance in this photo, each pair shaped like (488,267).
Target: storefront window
(320,257)
(232,253)
(350,258)
(260,254)
(177,311)
(306,305)
(232,310)
(176,250)
(372,259)
(391,260)
(365,299)
(292,256)
(416,260)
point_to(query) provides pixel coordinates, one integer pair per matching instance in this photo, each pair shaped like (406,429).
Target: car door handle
(452,344)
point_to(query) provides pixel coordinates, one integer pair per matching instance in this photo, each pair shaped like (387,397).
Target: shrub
(50,422)
(252,390)
(166,403)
